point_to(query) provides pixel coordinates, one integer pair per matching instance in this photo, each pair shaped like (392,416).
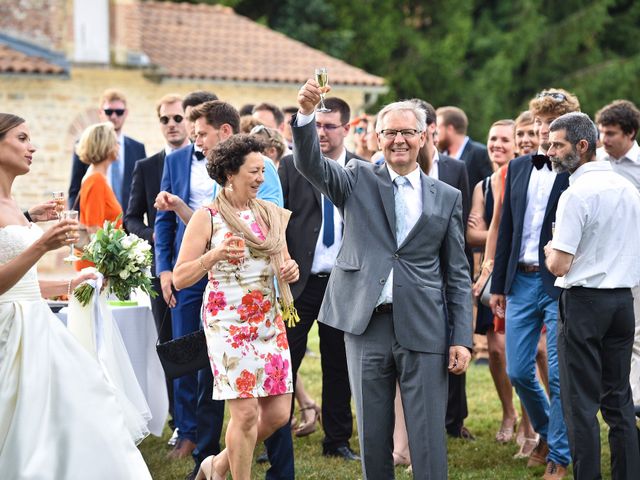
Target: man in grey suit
(401,273)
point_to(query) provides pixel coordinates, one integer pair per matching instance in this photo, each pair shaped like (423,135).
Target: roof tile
(12,61)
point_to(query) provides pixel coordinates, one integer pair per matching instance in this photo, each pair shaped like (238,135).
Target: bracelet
(202,264)
(27,216)
(487,265)
(69,288)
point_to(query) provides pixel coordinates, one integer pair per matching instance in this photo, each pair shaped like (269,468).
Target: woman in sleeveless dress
(239,242)
(59,418)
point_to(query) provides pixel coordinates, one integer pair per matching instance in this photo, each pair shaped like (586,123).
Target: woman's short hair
(9,121)
(228,156)
(96,143)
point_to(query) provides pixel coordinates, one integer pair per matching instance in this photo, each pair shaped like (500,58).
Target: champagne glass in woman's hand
(240,245)
(70,215)
(58,197)
(322,77)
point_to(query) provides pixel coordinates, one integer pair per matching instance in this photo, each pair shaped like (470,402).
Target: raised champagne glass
(70,215)
(58,197)
(322,77)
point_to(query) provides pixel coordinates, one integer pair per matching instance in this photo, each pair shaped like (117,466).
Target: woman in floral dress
(243,240)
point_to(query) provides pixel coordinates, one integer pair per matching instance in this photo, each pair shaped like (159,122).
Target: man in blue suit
(524,286)
(113,108)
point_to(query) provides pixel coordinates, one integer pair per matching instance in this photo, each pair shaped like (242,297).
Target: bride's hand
(60,234)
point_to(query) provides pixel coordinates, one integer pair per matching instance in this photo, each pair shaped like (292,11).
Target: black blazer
(304,201)
(133,151)
(454,172)
(476,159)
(512,222)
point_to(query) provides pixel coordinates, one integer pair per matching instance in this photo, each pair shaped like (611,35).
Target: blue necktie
(116,179)
(401,208)
(328,236)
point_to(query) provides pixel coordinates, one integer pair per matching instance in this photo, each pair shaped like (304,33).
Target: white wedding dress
(59,418)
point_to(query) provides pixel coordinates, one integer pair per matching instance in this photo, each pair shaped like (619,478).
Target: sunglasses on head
(176,118)
(259,129)
(557,96)
(110,111)
(360,130)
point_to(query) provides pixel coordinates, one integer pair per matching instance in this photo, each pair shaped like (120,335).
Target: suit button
(395,255)
(309,254)
(382,280)
(316,230)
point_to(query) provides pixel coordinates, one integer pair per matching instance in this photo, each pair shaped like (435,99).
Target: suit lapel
(428,201)
(386,195)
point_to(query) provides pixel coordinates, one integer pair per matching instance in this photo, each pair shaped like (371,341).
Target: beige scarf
(275,219)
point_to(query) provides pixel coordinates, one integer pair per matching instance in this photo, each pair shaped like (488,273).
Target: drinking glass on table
(58,197)
(322,77)
(70,215)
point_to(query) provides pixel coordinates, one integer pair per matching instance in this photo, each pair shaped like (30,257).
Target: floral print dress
(246,336)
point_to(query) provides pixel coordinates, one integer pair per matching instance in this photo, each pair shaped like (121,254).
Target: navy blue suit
(133,151)
(476,159)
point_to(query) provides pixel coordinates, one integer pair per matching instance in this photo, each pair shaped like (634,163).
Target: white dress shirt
(325,257)
(433,171)
(201,184)
(119,160)
(413,201)
(628,165)
(598,221)
(540,185)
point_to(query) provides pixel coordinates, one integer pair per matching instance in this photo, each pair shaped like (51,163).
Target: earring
(229,186)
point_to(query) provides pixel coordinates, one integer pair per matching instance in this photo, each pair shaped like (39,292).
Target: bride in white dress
(59,418)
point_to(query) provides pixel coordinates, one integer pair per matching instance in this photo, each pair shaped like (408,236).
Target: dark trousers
(162,319)
(336,393)
(456,404)
(595,336)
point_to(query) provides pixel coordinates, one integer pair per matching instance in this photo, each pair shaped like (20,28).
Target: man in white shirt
(618,123)
(594,254)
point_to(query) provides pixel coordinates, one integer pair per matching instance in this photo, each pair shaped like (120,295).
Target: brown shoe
(554,471)
(539,455)
(183,449)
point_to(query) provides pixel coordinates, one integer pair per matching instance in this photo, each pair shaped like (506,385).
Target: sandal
(527,447)
(308,427)
(507,430)
(207,470)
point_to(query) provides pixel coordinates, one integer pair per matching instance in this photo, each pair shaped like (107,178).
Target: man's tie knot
(400,181)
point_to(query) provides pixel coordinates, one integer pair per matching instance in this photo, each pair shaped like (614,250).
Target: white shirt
(628,165)
(201,184)
(119,160)
(540,185)
(413,201)
(460,150)
(433,171)
(598,221)
(325,257)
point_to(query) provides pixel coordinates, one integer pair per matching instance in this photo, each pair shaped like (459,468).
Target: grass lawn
(483,459)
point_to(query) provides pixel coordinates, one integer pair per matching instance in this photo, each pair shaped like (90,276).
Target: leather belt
(321,275)
(525,268)
(384,308)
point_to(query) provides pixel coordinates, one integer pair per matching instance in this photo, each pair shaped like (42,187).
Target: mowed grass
(480,460)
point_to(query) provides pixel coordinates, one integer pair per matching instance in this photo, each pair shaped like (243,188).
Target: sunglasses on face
(557,96)
(110,111)
(176,118)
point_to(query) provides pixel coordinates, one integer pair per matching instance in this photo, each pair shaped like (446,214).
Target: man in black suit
(145,186)
(314,236)
(453,141)
(452,172)
(113,108)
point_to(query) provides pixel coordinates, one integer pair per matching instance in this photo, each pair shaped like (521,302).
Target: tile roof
(14,61)
(213,42)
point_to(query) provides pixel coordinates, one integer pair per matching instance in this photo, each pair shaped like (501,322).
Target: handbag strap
(207,248)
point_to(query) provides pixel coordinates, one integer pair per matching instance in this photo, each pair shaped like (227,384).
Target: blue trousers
(528,308)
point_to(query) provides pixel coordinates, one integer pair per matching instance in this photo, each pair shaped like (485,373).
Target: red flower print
(253,307)
(282,341)
(245,383)
(276,371)
(216,302)
(240,336)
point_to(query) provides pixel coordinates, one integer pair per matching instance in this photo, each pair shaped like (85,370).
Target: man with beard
(594,253)
(522,284)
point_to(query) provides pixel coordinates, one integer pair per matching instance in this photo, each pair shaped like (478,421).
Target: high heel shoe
(307,428)
(507,430)
(207,470)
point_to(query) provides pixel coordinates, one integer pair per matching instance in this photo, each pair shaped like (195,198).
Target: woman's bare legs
(498,369)
(542,361)
(401,455)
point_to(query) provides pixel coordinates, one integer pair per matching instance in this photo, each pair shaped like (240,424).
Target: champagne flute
(58,197)
(70,215)
(322,77)
(240,244)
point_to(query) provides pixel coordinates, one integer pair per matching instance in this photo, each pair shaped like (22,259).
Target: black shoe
(262,458)
(463,433)
(343,452)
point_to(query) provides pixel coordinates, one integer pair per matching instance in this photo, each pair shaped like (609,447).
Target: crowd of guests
(263,221)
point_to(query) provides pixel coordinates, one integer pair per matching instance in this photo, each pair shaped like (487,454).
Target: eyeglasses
(328,127)
(110,111)
(176,118)
(360,130)
(407,133)
(557,96)
(259,129)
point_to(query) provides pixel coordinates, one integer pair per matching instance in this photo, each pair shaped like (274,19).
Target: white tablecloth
(139,334)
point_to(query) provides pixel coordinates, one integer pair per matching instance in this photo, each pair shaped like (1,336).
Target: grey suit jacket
(429,266)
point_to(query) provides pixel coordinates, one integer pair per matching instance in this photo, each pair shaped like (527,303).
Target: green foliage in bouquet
(124,261)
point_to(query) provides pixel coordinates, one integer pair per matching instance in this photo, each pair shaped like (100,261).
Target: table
(139,334)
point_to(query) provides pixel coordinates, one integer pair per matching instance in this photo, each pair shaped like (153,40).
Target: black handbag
(187,354)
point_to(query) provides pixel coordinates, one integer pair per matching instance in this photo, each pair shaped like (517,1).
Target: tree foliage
(487,56)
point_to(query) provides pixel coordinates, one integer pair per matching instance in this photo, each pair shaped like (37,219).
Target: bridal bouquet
(124,261)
